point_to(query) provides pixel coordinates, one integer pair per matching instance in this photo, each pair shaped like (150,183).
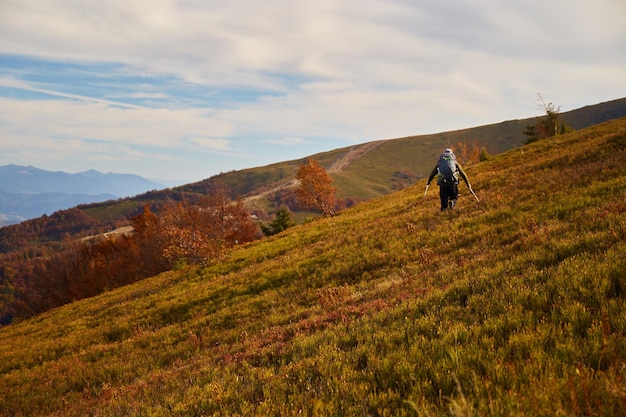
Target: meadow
(514,305)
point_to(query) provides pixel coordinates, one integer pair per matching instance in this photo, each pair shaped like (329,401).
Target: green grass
(514,306)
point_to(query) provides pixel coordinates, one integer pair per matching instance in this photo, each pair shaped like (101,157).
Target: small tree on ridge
(548,126)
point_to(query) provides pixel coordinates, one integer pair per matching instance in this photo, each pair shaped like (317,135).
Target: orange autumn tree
(202,232)
(316,189)
(195,230)
(468,152)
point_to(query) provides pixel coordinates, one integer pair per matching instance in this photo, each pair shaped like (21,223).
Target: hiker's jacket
(435,171)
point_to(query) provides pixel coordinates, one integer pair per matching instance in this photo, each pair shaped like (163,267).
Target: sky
(181,90)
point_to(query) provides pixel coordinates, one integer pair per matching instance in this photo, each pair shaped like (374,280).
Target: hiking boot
(452,203)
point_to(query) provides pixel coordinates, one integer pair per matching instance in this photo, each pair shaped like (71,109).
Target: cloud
(292,141)
(17,84)
(213,144)
(111,121)
(143,95)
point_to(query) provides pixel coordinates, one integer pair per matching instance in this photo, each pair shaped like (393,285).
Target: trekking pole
(474,194)
(426,190)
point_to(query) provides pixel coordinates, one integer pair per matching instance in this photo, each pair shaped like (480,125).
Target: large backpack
(448,174)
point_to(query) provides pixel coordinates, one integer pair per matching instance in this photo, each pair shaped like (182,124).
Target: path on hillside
(339,165)
(288,184)
(354,153)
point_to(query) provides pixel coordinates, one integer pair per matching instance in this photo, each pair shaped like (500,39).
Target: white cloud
(145,95)
(291,141)
(17,84)
(104,120)
(214,144)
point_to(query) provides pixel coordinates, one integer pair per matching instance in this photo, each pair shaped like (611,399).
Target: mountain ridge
(373,174)
(390,165)
(20,179)
(28,192)
(393,164)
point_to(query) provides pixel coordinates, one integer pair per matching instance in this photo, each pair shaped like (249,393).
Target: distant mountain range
(28,192)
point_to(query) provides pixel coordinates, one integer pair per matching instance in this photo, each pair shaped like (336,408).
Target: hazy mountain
(16,207)
(28,192)
(32,180)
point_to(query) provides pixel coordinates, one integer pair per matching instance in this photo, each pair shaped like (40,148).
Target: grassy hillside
(512,306)
(371,175)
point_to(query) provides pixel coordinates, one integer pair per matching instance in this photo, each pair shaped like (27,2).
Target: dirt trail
(339,165)
(251,199)
(354,153)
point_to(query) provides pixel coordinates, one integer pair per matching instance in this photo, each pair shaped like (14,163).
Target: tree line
(178,233)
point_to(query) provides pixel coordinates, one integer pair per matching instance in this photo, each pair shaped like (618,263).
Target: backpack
(448,174)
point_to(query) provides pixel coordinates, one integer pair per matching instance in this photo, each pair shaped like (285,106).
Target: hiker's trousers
(448,193)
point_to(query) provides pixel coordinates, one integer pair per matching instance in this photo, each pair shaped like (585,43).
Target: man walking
(448,171)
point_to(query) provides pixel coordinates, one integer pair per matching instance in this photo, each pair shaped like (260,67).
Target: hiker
(448,171)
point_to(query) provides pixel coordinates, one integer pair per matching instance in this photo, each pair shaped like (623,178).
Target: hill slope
(360,172)
(512,306)
(371,169)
